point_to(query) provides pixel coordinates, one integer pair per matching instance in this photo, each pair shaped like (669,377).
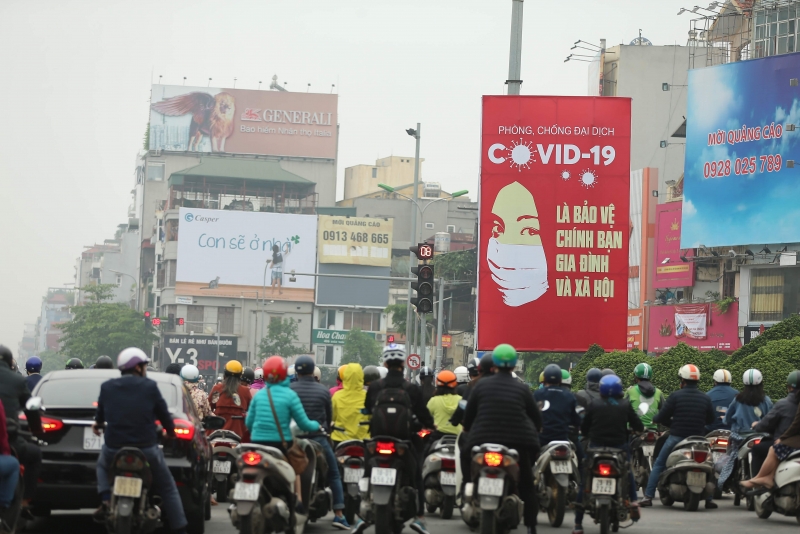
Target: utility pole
(440,322)
(422,331)
(413,240)
(515,54)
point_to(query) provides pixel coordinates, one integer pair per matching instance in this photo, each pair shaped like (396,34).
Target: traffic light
(424,288)
(180,321)
(156,321)
(422,251)
(390,339)
(147,318)
(170,322)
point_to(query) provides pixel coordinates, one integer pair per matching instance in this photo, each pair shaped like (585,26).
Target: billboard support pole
(414,241)
(217,368)
(515,53)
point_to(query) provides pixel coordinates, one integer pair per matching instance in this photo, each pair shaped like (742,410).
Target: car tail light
(561,451)
(492,459)
(650,437)
(353,450)
(699,456)
(605,470)
(51,425)
(251,458)
(448,464)
(385,447)
(424,433)
(184,429)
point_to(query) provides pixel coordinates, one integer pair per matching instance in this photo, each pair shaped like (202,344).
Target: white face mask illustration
(515,253)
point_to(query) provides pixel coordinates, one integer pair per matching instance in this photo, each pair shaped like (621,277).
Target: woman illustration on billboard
(276,263)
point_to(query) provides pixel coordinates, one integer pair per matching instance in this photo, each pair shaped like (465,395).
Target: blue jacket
(721,397)
(130,405)
(741,416)
(32,380)
(260,421)
(558,413)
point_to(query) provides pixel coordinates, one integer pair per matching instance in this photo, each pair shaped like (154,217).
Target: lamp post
(134,281)
(416,134)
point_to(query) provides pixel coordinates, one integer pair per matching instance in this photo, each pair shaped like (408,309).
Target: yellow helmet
(233,367)
(341,371)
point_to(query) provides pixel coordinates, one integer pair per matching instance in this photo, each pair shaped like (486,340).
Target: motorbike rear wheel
(604,519)
(350,509)
(692,502)
(383,518)
(253,523)
(666,498)
(558,503)
(487,522)
(123,525)
(762,513)
(447,506)
(430,508)
(222,490)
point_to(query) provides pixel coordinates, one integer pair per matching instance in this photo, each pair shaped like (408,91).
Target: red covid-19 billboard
(554,223)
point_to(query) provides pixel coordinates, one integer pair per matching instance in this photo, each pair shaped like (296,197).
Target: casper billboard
(241,121)
(554,223)
(222,252)
(738,188)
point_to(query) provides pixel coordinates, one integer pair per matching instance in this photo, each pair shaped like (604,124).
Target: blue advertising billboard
(738,188)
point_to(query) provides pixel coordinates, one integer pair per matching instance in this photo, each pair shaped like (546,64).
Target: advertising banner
(242,121)
(665,329)
(635,327)
(221,253)
(671,270)
(554,223)
(738,186)
(200,351)
(691,321)
(355,240)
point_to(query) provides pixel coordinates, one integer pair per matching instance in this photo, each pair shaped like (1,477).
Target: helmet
(317,374)
(608,372)
(258,374)
(594,375)
(752,377)
(5,354)
(426,372)
(487,362)
(689,372)
(130,358)
(371,373)
(74,363)
(505,356)
(541,377)
(446,379)
(340,372)
(793,379)
(174,369)
(393,353)
(473,367)
(92,366)
(610,386)
(34,364)
(566,378)
(304,365)
(722,376)
(104,362)
(383,371)
(552,374)
(233,368)
(462,374)
(274,370)
(643,371)
(190,373)
(248,375)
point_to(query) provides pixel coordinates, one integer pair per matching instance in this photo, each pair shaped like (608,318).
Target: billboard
(554,223)
(242,121)
(670,269)
(360,292)
(221,253)
(697,325)
(355,240)
(200,351)
(738,186)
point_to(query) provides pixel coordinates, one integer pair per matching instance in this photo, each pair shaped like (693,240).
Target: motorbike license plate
(246,492)
(604,486)
(560,467)
(648,450)
(127,487)
(492,487)
(90,441)
(382,476)
(447,478)
(221,467)
(352,476)
(694,478)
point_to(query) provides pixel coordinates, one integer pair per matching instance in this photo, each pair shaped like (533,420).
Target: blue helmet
(594,375)
(304,365)
(34,364)
(610,386)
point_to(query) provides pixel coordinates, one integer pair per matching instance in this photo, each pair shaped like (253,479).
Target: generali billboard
(554,223)
(670,269)
(242,121)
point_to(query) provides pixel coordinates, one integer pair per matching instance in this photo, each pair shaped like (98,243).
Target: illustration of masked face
(515,253)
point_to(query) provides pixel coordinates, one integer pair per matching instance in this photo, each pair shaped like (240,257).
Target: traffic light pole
(422,331)
(440,323)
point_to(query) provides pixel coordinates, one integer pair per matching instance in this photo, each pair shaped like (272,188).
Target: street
(657,519)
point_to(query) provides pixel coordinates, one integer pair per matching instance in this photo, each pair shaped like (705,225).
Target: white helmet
(689,372)
(722,376)
(190,373)
(393,353)
(258,374)
(752,377)
(317,373)
(462,374)
(130,358)
(383,371)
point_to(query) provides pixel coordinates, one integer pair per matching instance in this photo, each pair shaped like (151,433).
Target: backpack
(392,414)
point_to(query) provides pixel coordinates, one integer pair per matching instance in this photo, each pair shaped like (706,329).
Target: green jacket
(646,401)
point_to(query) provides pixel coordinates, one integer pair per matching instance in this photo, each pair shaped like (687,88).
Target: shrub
(775,360)
(622,363)
(586,362)
(666,367)
(786,329)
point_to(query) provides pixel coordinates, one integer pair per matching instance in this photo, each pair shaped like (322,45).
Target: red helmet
(274,370)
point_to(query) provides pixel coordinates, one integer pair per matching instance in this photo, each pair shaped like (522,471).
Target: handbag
(295,455)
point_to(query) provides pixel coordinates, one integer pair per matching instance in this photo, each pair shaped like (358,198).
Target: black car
(68,479)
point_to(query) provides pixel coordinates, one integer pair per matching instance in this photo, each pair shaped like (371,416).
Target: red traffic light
(147,315)
(390,339)
(156,321)
(180,321)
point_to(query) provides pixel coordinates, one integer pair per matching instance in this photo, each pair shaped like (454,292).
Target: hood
(646,388)
(284,384)
(353,377)
(593,386)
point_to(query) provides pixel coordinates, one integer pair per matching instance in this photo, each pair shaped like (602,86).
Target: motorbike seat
(348,442)
(447,441)
(225,434)
(793,456)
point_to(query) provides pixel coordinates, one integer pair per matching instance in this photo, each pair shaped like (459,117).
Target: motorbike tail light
(722,442)
(184,429)
(385,447)
(353,450)
(700,456)
(448,464)
(492,459)
(650,437)
(251,458)
(424,433)
(605,470)
(129,462)
(753,443)
(562,451)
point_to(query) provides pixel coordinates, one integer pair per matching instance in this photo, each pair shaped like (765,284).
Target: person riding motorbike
(776,422)
(103,362)
(442,406)
(174,369)
(292,374)
(231,399)
(371,373)
(316,401)
(591,392)
(126,413)
(721,395)
(33,366)
(248,377)
(462,378)
(72,363)
(426,384)
(566,380)
(191,378)
(258,380)
(558,407)
(686,412)
(645,398)
(338,387)
(750,404)
(348,403)
(9,466)
(502,410)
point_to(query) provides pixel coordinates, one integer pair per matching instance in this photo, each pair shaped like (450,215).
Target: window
(775,31)
(194,317)
(368,321)
(451,228)
(327,319)
(171,266)
(155,172)
(774,293)
(225,318)
(325,355)
(429,226)
(374,172)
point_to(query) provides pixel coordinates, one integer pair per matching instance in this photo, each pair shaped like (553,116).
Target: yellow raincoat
(347,405)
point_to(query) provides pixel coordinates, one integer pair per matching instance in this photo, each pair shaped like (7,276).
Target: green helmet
(793,379)
(504,355)
(566,378)
(643,371)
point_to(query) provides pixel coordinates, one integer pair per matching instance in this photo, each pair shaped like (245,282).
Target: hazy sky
(76,81)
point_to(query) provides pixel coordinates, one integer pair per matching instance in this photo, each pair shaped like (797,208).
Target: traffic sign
(414,362)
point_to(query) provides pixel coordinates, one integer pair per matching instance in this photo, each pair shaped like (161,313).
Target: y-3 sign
(176,358)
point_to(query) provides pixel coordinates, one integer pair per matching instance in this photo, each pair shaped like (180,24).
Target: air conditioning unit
(157,152)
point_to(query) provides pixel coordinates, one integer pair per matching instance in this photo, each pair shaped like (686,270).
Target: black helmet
(474,366)
(426,372)
(151,369)
(594,375)
(371,374)
(248,375)
(304,365)
(74,363)
(6,355)
(487,362)
(104,362)
(552,374)
(173,369)
(608,372)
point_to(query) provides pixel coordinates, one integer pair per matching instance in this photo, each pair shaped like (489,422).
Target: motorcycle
(606,487)
(743,469)
(132,507)
(488,499)
(388,495)
(719,440)
(642,456)
(439,476)
(555,475)
(689,474)
(314,481)
(223,443)
(350,455)
(784,496)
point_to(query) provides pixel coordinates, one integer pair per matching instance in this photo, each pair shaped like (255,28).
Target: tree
(361,348)
(51,361)
(459,265)
(99,293)
(280,340)
(397,313)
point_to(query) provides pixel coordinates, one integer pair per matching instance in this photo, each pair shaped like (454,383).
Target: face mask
(520,271)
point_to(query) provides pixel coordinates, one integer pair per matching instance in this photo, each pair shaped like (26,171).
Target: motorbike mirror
(213,422)
(34,404)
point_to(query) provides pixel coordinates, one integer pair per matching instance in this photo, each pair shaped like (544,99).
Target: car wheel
(195,512)
(207,505)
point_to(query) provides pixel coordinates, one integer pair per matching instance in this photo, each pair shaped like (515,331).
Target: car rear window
(81,392)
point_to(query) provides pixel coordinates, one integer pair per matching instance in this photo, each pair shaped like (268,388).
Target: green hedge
(775,360)
(786,329)
(666,366)
(586,362)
